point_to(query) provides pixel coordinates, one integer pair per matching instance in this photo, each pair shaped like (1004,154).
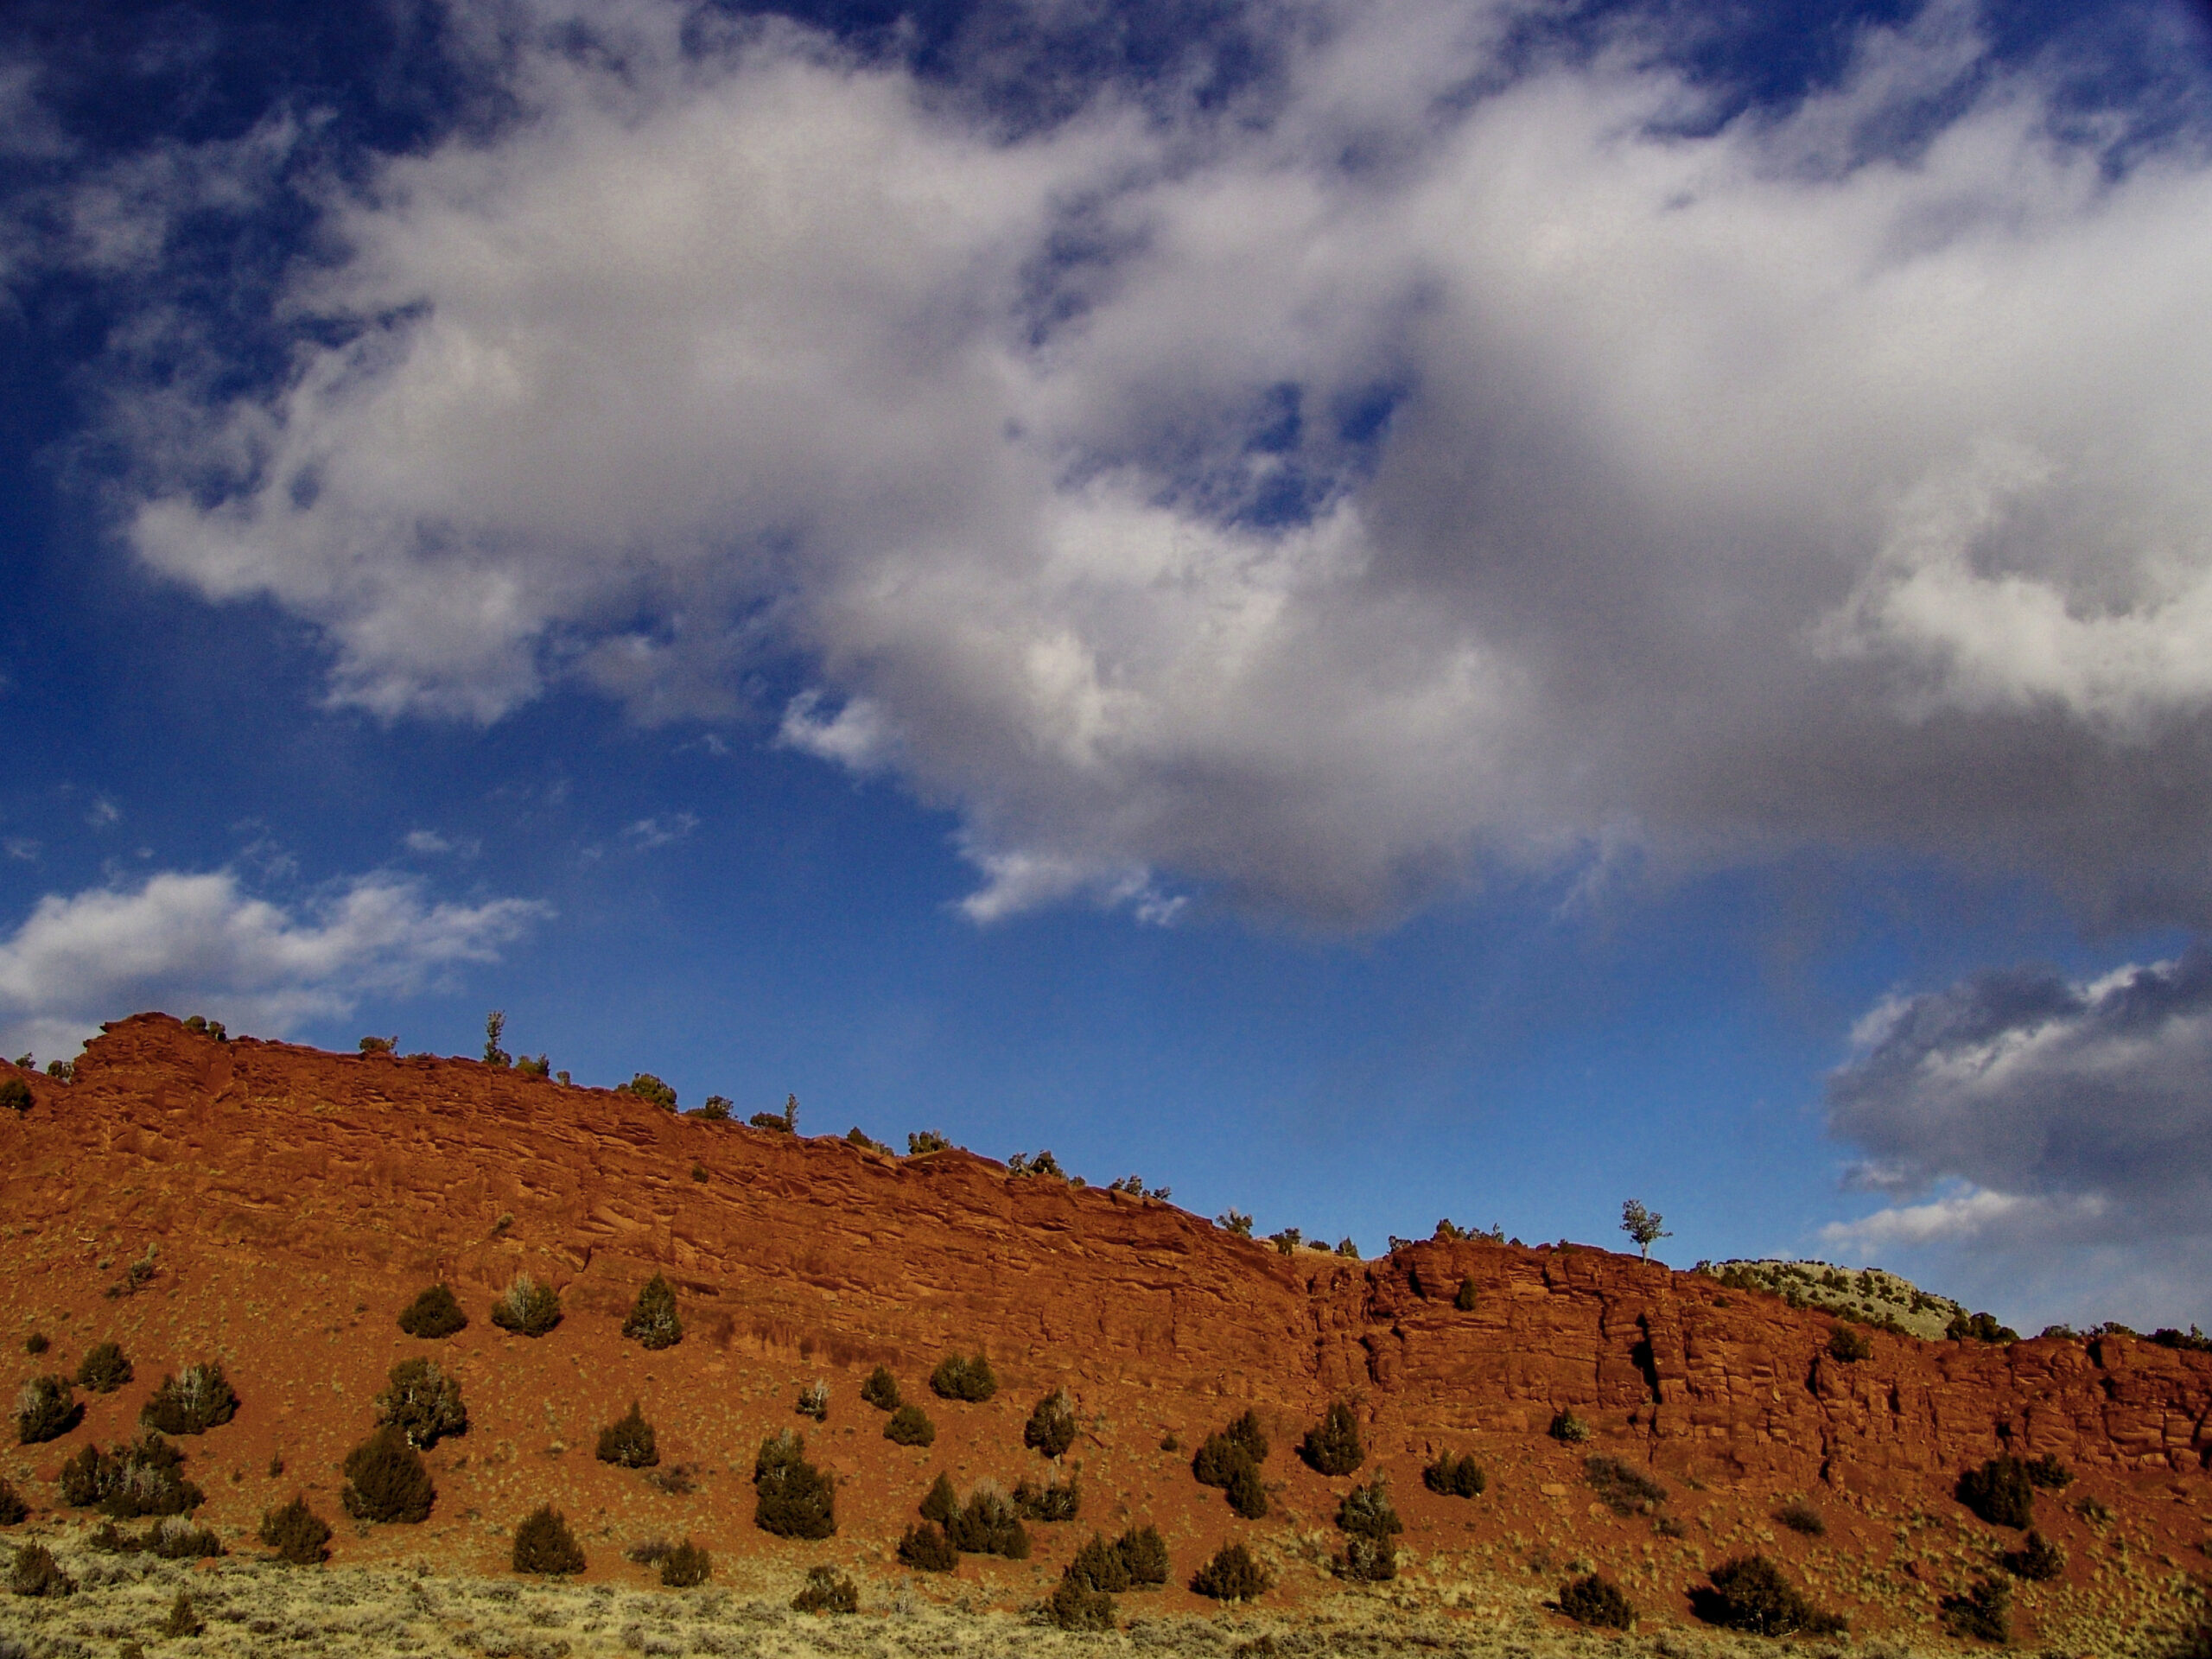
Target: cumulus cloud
(2023,1115)
(1432,454)
(179,939)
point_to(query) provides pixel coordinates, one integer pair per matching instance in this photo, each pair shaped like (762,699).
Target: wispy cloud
(660,831)
(200,940)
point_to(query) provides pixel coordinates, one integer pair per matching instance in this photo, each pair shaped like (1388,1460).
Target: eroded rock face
(399,1170)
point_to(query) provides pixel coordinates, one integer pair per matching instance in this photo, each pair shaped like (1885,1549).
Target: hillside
(299,1200)
(1862,1294)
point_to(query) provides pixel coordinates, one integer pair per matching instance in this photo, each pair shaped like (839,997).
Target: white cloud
(1967,1216)
(178,939)
(429,843)
(660,831)
(2043,1127)
(1309,500)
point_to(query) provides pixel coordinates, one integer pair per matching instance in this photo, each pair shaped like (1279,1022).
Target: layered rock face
(399,1171)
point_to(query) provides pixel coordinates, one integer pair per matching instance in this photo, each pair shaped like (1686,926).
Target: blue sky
(1371,610)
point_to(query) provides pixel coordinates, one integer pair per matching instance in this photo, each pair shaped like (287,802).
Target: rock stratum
(298,1199)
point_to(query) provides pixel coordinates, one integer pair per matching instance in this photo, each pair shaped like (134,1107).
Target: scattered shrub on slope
(433,1314)
(792,1498)
(1597,1600)
(296,1533)
(652,1323)
(104,1369)
(543,1544)
(629,1441)
(970,1379)
(196,1399)
(527,1308)
(387,1480)
(423,1403)
(1333,1445)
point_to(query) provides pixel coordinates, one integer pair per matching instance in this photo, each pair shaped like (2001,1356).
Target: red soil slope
(300,1198)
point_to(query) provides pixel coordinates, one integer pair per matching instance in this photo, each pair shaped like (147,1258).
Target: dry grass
(251,1605)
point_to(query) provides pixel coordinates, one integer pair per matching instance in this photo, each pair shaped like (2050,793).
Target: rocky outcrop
(414,1168)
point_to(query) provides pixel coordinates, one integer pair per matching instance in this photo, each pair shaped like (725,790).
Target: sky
(1371,610)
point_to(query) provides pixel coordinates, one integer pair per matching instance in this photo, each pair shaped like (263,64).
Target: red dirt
(299,1200)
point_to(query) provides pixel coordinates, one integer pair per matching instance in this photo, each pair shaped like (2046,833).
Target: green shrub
(13,1510)
(296,1533)
(1054,1501)
(35,1573)
(1450,1476)
(1240,1440)
(1100,1566)
(1749,1593)
(423,1403)
(910,1426)
(104,1369)
(142,1476)
(927,1549)
(1368,1510)
(860,1137)
(783,1123)
(387,1480)
(970,1379)
(1074,1605)
(1979,1327)
(1849,1344)
(1144,1552)
(827,1591)
(182,1621)
(527,1307)
(1983,1613)
(650,1090)
(1247,1495)
(36,1343)
(2048,1474)
(15,1094)
(717,1109)
(814,1401)
(2000,1492)
(629,1442)
(1569,1428)
(1231,1575)
(881,1389)
(686,1566)
(1597,1600)
(941,1504)
(987,1525)
(1799,1516)
(652,1323)
(192,1402)
(1366,1560)
(1464,1301)
(45,1409)
(433,1314)
(1051,1428)
(1368,1518)
(2039,1560)
(1623,1490)
(928,1141)
(173,1538)
(543,1544)
(792,1498)
(1333,1445)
